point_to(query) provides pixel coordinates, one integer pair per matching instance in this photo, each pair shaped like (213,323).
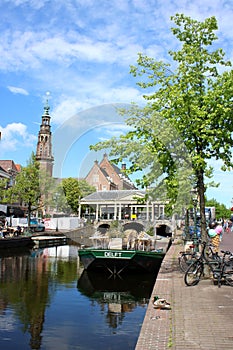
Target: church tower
(44,145)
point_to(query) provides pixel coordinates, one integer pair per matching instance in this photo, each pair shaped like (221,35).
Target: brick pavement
(201,317)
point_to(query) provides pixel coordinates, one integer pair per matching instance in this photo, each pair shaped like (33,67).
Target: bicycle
(221,268)
(187,258)
(225,273)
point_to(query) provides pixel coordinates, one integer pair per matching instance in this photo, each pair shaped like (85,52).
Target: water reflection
(131,287)
(115,294)
(47,301)
(25,286)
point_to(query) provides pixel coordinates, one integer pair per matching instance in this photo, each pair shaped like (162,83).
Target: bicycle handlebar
(226,252)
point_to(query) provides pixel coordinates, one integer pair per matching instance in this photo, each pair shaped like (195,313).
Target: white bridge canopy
(123,204)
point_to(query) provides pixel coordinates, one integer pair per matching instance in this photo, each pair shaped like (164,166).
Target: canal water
(47,301)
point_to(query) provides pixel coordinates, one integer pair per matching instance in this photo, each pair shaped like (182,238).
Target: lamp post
(195,238)
(11,210)
(56,198)
(186,229)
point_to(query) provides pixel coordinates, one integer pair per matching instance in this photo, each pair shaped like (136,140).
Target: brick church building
(106,176)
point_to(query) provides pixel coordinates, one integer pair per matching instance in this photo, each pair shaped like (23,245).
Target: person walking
(214,233)
(1,232)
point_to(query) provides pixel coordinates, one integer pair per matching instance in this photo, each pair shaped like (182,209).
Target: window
(95,178)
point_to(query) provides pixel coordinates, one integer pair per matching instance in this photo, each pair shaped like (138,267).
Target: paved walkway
(201,317)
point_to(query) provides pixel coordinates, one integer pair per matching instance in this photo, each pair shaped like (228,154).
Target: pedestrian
(230,225)
(1,232)
(219,230)
(214,235)
(18,231)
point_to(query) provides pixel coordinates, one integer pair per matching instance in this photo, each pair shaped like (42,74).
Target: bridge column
(161,210)
(147,211)
(152,211)
(97,212)
(100,215)
(119,211)
(115,211)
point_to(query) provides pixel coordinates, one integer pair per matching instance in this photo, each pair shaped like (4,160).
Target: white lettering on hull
(112,254)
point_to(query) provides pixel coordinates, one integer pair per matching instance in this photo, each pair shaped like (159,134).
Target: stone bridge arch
(164,228)
(103,227)
(134,225)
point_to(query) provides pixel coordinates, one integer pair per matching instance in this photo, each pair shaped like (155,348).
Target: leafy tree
(66,195)
(32,186)
(187,120)
(85,188)
(72,192)
(3,190)
(27,185)
(58,199)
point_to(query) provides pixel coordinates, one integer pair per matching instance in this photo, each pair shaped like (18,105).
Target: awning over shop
(16,211)
(3,209)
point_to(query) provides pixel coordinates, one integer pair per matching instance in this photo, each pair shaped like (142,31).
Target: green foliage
(221,211)
(5,193)
(32,187)
(27,185)
(58,200)
(72,193)
(27,182)
(85,188)
(187,119)
(67,194)
(150,231)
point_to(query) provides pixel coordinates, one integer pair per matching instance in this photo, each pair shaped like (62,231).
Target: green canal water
(47,301)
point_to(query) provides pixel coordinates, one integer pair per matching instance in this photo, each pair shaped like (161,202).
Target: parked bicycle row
(206,263)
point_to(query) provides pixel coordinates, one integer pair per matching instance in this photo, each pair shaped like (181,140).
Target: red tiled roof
(18,166)
(8,164)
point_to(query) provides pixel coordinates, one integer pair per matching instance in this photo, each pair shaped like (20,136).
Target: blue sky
(80,52)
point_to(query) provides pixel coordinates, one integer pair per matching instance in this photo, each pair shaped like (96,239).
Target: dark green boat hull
(117,261)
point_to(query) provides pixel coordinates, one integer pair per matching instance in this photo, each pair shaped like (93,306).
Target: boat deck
(48,241)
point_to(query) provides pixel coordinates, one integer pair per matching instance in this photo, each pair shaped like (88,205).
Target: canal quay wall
(200,317)
(81,235)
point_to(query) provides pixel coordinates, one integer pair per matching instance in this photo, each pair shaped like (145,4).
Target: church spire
(46,107)
(44,144)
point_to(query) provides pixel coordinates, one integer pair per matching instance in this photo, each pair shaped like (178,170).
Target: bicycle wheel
(210,255)
(228,276)
(193,274)
(185,260)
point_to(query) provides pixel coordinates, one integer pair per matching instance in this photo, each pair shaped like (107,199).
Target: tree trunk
(201,194)
(29,216)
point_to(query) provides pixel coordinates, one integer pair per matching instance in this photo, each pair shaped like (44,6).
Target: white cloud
(15,136)
(37,4)
(17,90)
(24,50)
(69,106)
(66,108)
(112,130)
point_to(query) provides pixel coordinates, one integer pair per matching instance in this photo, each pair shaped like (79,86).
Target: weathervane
(47,98)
